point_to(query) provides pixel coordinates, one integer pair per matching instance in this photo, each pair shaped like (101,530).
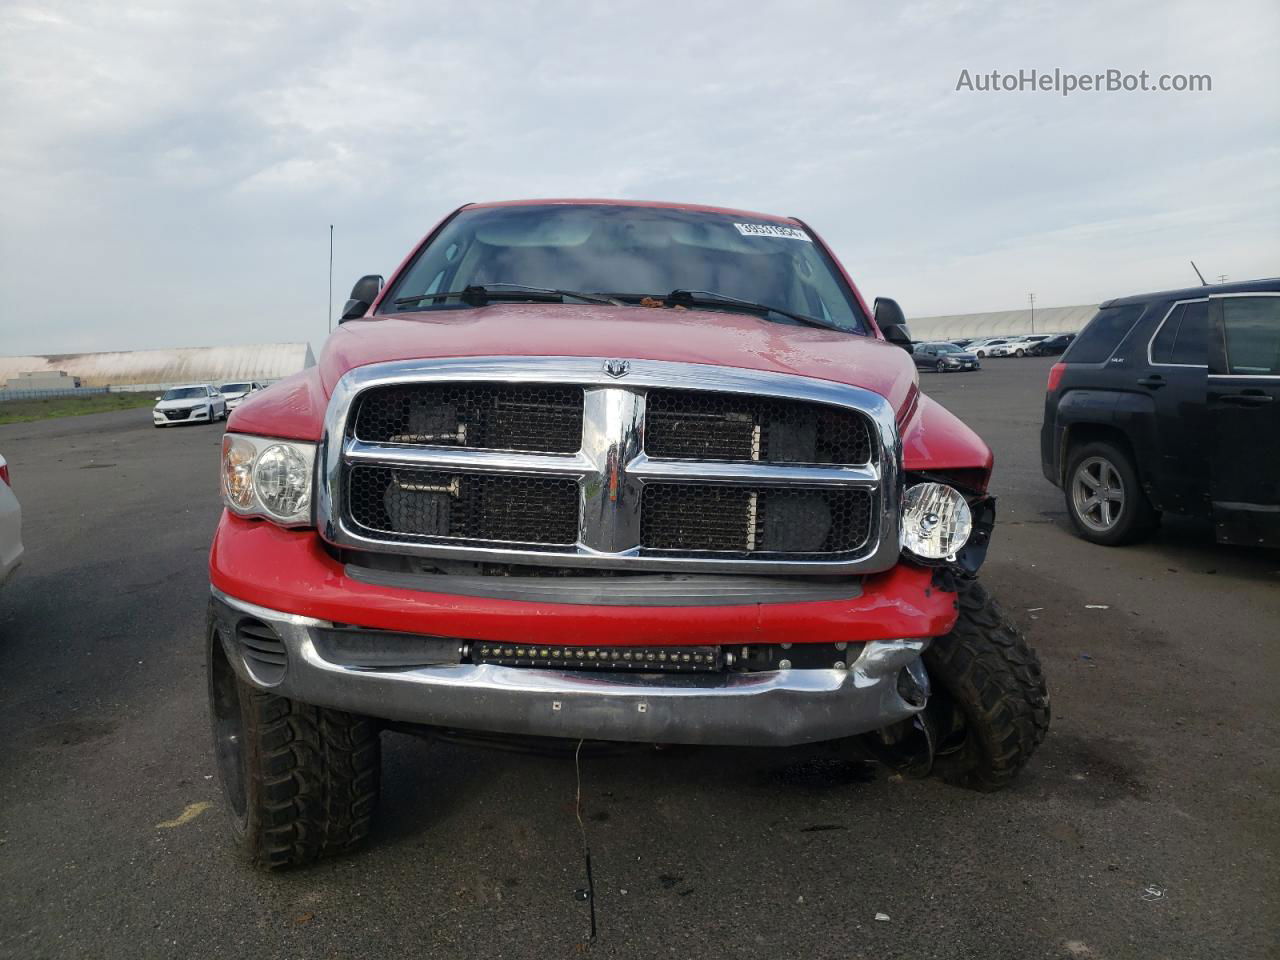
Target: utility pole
(1032,298)
(1222,278)
(330,316)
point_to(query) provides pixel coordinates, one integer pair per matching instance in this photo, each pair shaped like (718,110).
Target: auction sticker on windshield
(772,230)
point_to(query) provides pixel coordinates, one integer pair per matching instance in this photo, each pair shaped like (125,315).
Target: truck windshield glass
(184,393)
(629,251)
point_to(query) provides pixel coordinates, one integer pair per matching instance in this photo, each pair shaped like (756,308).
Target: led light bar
(640,659)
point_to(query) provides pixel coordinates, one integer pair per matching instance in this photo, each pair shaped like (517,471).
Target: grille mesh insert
(408,504)
(693,425)
(754,520)
(488,416)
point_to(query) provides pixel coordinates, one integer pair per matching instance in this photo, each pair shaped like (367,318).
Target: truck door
(1244,416)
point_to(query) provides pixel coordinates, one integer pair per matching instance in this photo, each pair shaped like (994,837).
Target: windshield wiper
(479,295)
(709,298)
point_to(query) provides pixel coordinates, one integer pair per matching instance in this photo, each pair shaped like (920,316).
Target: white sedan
(233,393)
(10,525)
(193,403)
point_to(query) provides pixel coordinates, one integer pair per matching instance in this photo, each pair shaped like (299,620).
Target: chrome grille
(434,505)
(701,425)
(483,416)
(787,521)
(666,466)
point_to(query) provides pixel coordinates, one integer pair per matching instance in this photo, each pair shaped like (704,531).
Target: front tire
(1019,353)
(1105,499)
(990,707)
(940,367)
(301,782)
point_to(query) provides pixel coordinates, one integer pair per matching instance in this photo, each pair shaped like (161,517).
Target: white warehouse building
(145,369)
(1002,323)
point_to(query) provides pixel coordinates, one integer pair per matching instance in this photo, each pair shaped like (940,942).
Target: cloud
(173,167)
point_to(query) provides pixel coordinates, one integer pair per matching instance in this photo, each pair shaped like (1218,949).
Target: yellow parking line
(192,811)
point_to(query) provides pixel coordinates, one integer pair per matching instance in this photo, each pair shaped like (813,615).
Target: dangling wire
(582,827)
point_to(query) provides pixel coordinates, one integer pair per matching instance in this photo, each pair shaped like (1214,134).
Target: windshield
(184,393)
(949,348)
(633,251)
(234,388)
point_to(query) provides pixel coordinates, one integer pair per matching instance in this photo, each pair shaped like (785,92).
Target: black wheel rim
(228,727)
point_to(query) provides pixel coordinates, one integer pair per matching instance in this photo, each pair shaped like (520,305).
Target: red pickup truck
(610,471)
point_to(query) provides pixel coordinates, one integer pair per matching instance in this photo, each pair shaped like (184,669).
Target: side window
(1191,345)
(1251,326)
(1183,337)
(1100,338)
(1162,346)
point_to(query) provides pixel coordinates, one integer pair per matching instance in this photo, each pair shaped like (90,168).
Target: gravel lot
(1159,773)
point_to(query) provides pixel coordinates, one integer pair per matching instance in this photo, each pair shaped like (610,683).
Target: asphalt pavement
(1148,825)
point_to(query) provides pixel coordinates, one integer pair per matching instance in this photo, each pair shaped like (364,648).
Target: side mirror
(362,294)
(893,323)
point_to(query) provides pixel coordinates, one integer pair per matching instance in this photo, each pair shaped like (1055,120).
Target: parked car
(984,348)
(10,525)
(1170,402)
(194,402)
(1053,346)
(602,470)
(233,393)
(944,358)
(963,342)
(1019,346)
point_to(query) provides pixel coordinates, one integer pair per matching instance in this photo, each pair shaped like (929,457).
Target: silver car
(10,525)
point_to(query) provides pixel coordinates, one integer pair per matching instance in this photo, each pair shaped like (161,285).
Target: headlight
(270,478)
(935,521)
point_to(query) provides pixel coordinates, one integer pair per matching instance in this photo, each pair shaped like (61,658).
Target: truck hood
(629,332)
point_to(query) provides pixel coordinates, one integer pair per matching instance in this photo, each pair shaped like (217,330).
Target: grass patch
(24,411)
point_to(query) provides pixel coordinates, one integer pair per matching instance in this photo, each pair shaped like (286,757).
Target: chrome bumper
(778,708)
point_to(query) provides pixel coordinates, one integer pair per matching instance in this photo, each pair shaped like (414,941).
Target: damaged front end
(912,745)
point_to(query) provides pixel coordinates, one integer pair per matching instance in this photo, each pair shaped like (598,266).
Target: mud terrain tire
(989,699)
(301,781)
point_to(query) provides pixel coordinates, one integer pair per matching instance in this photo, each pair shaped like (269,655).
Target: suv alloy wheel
(1105,499)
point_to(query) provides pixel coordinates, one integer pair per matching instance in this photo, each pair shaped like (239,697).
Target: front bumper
(201,415)
(290,570)
(775,708)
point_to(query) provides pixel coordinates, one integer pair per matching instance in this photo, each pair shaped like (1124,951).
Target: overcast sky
(169,170)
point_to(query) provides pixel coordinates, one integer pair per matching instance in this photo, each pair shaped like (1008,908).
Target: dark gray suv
(1171,402)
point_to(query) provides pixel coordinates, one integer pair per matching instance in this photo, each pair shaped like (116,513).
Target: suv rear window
(1100,338)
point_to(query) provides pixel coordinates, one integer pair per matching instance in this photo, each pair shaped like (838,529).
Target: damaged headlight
(936,521)
(265,477)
